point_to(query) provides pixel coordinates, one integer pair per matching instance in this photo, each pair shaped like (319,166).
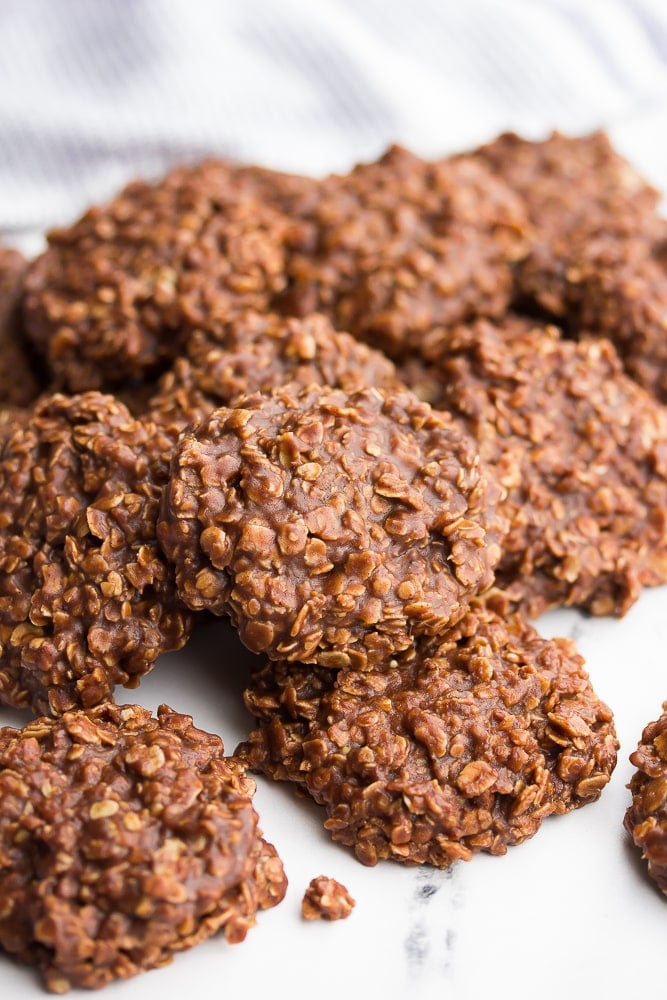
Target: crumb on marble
(326,899)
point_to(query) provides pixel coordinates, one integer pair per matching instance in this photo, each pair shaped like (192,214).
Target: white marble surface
(569,912)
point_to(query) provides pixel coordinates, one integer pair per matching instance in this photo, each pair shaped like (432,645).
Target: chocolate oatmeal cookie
(257,352)
(646,817)
(399,245)
(581,450)
(20,383)
(113,296)
(461,744)
(87,600)
(330,526)
(575,189)
(124,838)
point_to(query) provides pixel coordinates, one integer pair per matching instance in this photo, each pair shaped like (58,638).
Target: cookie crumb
(326,899)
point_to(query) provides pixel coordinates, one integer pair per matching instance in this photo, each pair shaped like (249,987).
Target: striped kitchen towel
(93,94)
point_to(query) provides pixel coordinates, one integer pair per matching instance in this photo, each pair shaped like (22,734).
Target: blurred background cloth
(96,92)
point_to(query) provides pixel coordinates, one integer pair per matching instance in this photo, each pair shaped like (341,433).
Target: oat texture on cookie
(124,838)
(330,526)
(112,296)
(326,899)
(575,190)
(580,449)
(87,600)
(462,744)
(256,352)
(401,244)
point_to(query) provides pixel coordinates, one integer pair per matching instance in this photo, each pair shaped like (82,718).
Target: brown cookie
(581,450)
(124,839)
(401,244)
(462,744)
(574,189)
(330,526)
(646,817)
(257,352)
(87,600)
(113,296)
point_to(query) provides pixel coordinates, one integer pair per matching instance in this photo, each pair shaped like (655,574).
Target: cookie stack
(378,421)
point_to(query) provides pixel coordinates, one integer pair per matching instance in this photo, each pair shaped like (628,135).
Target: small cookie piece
(113,296)
(646,818)
(19,382)
(124,838)
(255,353)
(462,744)
(580,449)
(87,599)
(326,899)
(574,189)
(402,244)
(330,526)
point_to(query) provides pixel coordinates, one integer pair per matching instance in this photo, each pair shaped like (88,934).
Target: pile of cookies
(378,421)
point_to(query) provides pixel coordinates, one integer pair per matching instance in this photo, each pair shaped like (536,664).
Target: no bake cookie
(87,600)
(113,296)
(461,744)
(124,838)
(580,449)
(330,526)
(401,244)
(575,190)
